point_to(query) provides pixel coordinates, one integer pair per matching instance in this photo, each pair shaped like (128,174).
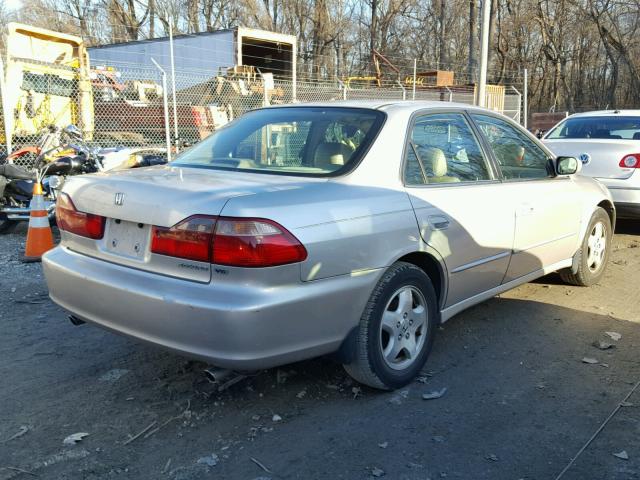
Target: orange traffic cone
(39,236)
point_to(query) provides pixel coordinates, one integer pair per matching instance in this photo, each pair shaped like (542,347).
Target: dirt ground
(519,403)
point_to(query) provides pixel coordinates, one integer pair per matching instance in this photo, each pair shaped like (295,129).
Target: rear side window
(518,156)
(310,141)
(443,149)
(602,127)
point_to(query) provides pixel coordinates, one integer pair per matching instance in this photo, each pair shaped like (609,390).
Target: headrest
(435,157)
(329,154)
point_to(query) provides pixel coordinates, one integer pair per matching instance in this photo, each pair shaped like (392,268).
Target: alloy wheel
(403,330)
(596,247)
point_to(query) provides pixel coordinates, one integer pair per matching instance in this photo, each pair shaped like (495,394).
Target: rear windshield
(309,141)
(620,128)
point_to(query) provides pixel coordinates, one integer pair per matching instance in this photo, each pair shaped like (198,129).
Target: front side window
(316,141)
(518,156)
(443,149)
(600,127)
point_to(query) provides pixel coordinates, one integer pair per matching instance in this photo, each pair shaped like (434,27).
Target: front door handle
(438,222)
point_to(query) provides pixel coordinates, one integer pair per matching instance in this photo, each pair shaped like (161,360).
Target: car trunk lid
(134,201)
(600,157)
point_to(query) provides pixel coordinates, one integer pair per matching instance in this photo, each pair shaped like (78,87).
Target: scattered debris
(69,454)
(166,466)
(139,434)
(301,394)
(605,365)
(74,438)
(626,404)
(210,460)
(19,470)
(398,397)
(623,455)
(356,392)
(438,438)
(377,472)
(260,464)
(276,418)
(492,457)
(602,345)
(23,429)
(614,335)
(114,375)
(435,394)
(590,360)
(383,444)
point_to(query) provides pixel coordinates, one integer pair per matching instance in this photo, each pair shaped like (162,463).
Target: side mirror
(568,165)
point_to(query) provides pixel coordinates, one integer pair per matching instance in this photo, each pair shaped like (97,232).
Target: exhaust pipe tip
(217,375)
(76,321)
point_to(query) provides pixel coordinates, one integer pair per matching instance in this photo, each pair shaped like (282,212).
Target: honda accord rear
(216,260)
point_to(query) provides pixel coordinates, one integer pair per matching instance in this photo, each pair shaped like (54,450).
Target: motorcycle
(60,153)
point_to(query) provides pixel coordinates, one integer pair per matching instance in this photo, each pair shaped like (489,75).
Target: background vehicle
(308,230)
(608,144)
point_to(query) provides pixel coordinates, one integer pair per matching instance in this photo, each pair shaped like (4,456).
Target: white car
(608,145)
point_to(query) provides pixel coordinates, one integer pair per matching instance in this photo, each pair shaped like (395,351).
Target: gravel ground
(519,403)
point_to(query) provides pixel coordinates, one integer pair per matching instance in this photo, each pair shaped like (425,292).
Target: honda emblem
(119,198)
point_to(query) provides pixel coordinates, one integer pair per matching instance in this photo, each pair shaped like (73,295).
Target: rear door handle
(438,222)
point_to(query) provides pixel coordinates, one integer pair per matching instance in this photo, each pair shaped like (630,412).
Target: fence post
(173,87)
(343,86)
(404,91)
(167,127)
(415,74)
(519,118)
(7,118)
(450,94)
(525,112)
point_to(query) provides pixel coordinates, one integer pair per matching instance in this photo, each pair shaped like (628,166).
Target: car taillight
(192,238)
(254,242)
(630,161)
(237,242)
(71,220)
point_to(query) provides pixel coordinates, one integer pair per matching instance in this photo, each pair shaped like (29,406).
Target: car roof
(395,105)
(608,113)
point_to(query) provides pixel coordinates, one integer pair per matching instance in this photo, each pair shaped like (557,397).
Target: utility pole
(484,53)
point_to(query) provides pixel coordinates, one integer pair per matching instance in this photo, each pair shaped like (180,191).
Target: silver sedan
(350,229)
(608,145)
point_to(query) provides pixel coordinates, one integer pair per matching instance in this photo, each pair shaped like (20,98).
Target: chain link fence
(124,105)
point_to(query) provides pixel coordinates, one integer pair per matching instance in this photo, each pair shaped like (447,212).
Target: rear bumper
(231,326)
(625,194)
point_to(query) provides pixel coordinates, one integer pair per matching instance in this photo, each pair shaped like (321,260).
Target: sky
(12,4)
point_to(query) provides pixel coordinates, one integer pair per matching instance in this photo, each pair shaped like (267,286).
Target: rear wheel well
(611,211)
(431,267)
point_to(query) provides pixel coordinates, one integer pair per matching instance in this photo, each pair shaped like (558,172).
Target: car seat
(331,155)
(438,161)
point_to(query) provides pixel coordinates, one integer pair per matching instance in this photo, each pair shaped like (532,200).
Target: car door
(456,198)
(547,207)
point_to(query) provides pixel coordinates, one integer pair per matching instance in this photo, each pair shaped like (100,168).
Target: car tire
(594,252)
(396,329)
